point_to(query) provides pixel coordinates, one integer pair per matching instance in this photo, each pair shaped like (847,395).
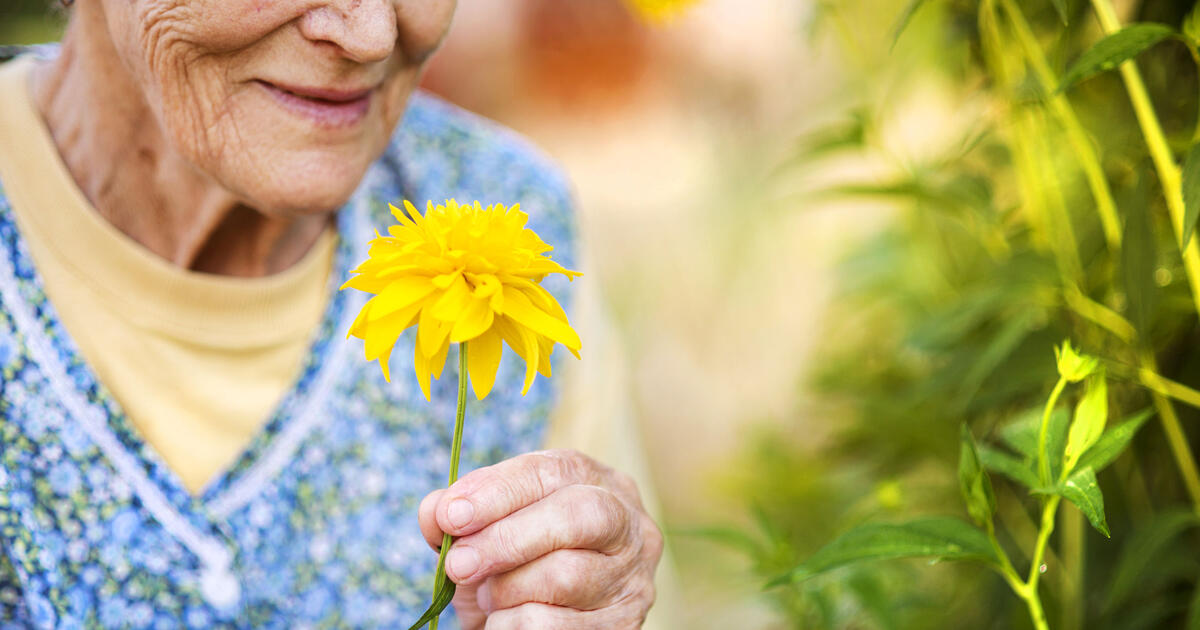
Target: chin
(304,187)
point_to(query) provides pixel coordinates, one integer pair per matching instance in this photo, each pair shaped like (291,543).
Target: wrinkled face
(283,102)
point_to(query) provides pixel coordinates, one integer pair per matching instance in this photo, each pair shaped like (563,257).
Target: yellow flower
(659,10)
(462,274)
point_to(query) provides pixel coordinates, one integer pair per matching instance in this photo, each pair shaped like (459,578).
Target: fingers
(574,578)
(535,616)
(427,519)
(489,494)
(574,517)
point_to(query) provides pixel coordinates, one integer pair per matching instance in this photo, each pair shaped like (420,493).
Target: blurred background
(814,260)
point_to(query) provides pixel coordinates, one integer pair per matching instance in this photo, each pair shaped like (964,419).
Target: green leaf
(1191,26)
(998,461)
(1091,414)
(1193,618)
(1022,436)
(869,590)
(1113,442)
(846,134)
(441,599)
(1139,257)
(905,19)
(1191,193)
(937,537)
(973,481)
(1082,490)
(1144,551)
(1060,6)
(1115,49)
(725,536)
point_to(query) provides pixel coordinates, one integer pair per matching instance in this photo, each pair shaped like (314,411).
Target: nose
(364,30)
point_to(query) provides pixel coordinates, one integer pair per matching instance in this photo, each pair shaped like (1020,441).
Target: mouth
(325,107)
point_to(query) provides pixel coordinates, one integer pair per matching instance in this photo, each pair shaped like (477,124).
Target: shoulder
(443,152)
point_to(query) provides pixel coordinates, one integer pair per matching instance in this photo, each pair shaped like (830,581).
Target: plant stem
(1043,459)
(1039,552)
(1085,151)
(1158,383)
(1160,151)
(1073,559)
(1173,430)
(460,415)
(1020,588)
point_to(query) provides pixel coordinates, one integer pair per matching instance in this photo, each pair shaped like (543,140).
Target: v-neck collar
(196,521)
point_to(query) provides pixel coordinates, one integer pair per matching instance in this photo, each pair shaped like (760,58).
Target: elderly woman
(186,439)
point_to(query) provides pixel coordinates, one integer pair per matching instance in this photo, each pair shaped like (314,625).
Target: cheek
(423,24)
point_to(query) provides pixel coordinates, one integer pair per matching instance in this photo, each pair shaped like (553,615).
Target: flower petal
(521,310)
(524,343)
(476,319)
(422,367)
(483,360)
(545,349)
(454,301)
(431,333)
(398,295)
(426,367)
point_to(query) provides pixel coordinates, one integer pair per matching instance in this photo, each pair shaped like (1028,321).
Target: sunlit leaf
(1113,442)
(1082,489)
(1191,26)
(1060,6)
(1191,193)
(905,19)
(842,135)
(973,481)
(1115,49)
(936,537)
(1091,414)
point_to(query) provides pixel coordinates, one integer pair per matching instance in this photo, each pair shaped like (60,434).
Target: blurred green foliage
(949,315)
(30,21)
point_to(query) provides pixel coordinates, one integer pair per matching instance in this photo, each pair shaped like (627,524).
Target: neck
(112,144)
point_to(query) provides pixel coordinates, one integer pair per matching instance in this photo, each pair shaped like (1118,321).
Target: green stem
(1006,568)
(1085,151)
(1171,178)
(1160,151)
(1022,589)
(1160,384)
(1191,46)
(1175,435)
(460,415)
(1073,573)
(1039,553)
(1044,473)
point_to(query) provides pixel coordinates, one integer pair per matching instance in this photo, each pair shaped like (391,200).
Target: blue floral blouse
(315,524)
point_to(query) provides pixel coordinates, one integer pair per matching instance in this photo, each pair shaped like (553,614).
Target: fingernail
(483,597)
(460,512)
(463,562)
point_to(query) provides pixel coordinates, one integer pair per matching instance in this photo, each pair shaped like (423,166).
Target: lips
(325,107)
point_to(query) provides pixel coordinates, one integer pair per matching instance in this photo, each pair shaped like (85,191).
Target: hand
(547,540)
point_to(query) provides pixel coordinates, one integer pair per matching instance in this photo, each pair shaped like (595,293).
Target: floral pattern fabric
(314,526)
